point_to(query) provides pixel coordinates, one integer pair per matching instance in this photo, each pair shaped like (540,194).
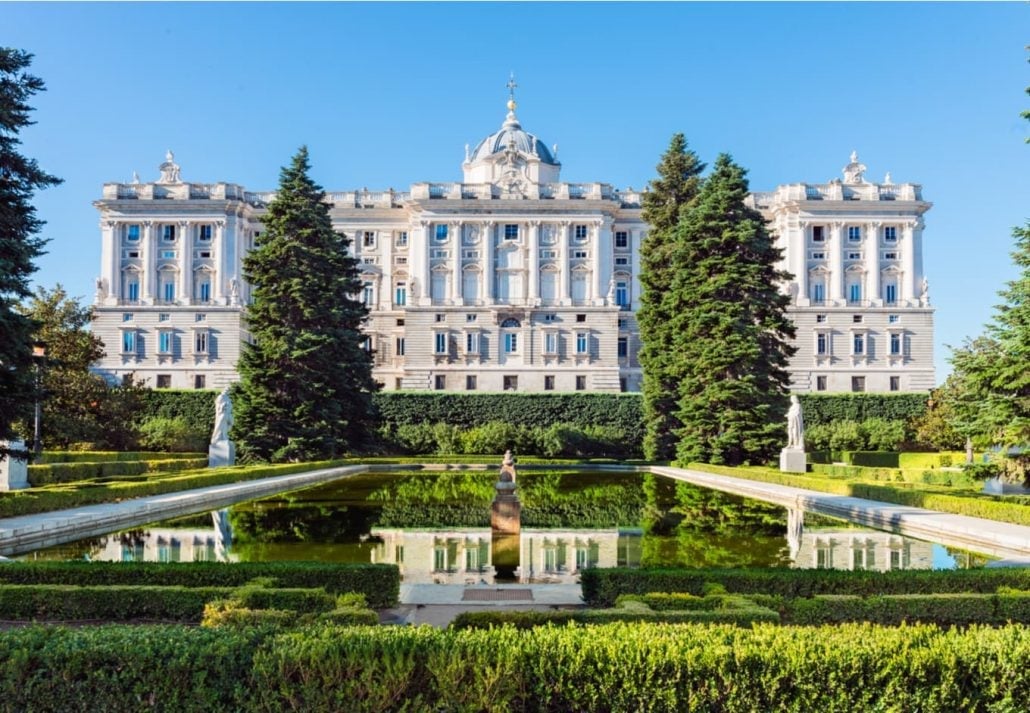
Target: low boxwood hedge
(69,495)
(379,583)
(613,668)
(49,474)
(602,587)
(109,456)
(891,610)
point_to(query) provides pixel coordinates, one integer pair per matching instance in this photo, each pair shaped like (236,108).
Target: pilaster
(218,251)
(835,291)
(185,262)
(456,239)
(872,262)
(110,259)
(149,264)
(797,253)
(533,263)
(563,260)
(488,262)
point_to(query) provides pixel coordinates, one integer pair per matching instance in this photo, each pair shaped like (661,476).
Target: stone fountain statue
(506,510)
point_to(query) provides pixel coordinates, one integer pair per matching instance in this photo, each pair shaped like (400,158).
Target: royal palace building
(508,280)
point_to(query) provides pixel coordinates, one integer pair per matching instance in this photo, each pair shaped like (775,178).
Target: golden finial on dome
(511,92)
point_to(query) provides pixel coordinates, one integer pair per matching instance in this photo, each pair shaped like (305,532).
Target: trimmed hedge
(53,473)
(69,495)
(974,504)
(892,610)
(63,602)
(827,408)
(619,667)
(738,616)
(379,583)
(47,457)
(603,587)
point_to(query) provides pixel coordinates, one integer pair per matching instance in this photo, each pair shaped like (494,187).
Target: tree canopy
(306,377)
(20,243)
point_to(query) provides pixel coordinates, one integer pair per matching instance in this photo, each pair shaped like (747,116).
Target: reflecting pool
(436,527)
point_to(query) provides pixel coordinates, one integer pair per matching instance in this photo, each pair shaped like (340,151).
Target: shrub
(94,456)
(846,436)
(892,610)
(172,434)
(61,602)
(883,435)
(378,583)
(349,616)
(53,473)
(230,613)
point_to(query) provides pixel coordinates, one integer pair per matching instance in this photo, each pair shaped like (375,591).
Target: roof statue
(854,170)
(135,178)
(512,131)
(169,170)
(887,179)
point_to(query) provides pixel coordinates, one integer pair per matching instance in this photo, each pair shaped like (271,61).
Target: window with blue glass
(132,290)
(511,231)
(854,233)
(400,294)
(822,344)
(890,293)
(205,291)
(621,239)
(128,342)
(205,233)
(855,292)
(511,343)
(582,342)
(622,294)
(168,233)
(858,344)
(441,342)
(168,291)
(441,231)
(132,233)
(818,292)
(896,342)
(890,234)
(164,342)
(623,347)
(580,232)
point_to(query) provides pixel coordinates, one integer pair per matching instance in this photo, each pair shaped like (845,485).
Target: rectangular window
(820,383)
(581,382)
(132,290)
(818,292)
(856,318)
(164,381)
(890,234)
(890,256)
(822,344)
(854,233)
(470,318)
(400,260)
(819,255)
(511,231)
(511,343)
(167,254)
(622,294)
(858,344)
(622,348)
(369,294)
(896,342)
(817,234)
(132,233)
(855,292)
(890,293)
(820,319)
(132,253)
(581,318)
(511,383)
(550,317)
(441,343)
(581,342)
(892,319)
(472,342)
(854,256)
(440,382)
(579,253)
(439,318)
(200,342)
(551,343)
(201,317)
(621,239)
(400,294)
(163,317)
(580,232)
(622,261)
(858,383)
(203,254)
(400,346)
(549,382)
(470,382)
(168,233)
(127,316)
(368,240)
(402,239)
(441,231)
(199,381)
(895,383)
(164,342)
(205,234)
(168,293)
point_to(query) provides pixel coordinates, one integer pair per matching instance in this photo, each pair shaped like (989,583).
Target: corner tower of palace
(509,280)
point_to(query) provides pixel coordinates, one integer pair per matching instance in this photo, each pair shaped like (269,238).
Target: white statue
(223,417)
(101,289)
(468,155)
(795,424)
(854,170)
(414,287)
(611,291)
(234,292)
(169,169)
(924,292)
(135,178)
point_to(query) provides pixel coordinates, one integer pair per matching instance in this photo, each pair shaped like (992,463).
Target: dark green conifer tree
(306,381)
(20,243)
(731,331)
(676,185)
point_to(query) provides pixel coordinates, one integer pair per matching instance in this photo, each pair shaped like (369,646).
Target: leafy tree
(306,382)
(679,177)
(731,331)
(78,405)
(20,243)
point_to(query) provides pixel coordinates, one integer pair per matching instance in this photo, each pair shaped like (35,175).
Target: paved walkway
(31,532)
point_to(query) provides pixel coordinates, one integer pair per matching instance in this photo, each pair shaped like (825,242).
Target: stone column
(917,257)
(533,268)
(147,289)
(110,259)
(635,239)
(417,239)
(185,262)
(488,262)
(872,263)
(217,251)
(835,290)
(563,262)
(425,275)
(908,271)
(456,229)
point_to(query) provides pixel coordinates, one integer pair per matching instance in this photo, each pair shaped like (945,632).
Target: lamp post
(38,358)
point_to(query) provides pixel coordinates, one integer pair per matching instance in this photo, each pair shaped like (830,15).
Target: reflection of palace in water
(861,549)
(464,556)
(169,544)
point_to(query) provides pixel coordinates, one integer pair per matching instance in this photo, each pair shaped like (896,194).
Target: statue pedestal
(506,514)
(792,460)
(14,472)
(221,453)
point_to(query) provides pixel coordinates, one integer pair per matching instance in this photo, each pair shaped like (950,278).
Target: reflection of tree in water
(965,559)
(300,522)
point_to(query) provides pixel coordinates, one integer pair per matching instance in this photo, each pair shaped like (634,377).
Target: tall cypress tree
(20,243)
(676,185)
(731,330)
(306,382)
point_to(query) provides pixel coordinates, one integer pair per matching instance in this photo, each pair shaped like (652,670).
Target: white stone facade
(509,280)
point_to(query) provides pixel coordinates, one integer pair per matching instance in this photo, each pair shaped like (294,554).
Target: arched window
(511,323)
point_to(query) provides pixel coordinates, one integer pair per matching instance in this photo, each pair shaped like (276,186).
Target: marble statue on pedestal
(222,451)
(792,458)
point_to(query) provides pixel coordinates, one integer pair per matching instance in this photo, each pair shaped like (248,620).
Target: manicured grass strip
(70,495)
(380,583)
(62,602)
(617,667)
(110,456)
(602,587)
(52,473)
(1016,511)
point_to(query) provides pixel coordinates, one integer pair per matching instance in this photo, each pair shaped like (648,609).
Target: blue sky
(386,95)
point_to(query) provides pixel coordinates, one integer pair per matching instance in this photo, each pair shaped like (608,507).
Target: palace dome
(512,131)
